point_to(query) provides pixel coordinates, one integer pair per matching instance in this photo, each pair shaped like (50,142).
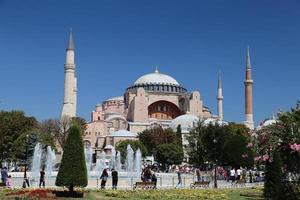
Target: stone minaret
(220,99)
(70,92)
(248,94)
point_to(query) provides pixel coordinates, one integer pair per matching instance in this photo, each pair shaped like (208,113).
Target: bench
(201,184)
(144,185)
(239,183)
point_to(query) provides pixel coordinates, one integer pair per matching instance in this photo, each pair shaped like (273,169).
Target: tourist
(4,175)
(232,174)
(154,179)
(114,175)
(239,173)
(179,178)
(103,178)
(143,175)
(198,174)
(9,182)
(250,176)
(42,178)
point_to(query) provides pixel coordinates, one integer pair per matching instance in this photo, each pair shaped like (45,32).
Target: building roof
(187,122)
(118,98)
(156,78)
(123,133)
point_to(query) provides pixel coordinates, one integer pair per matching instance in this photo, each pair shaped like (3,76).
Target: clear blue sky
(118,41)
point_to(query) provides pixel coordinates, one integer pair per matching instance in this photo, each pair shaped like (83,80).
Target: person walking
(154,179)
(232,175)
(42,178)
(103,178)
(9,182)
(179,178)
(114,175)
(4,175)
(198,174)
(239,173)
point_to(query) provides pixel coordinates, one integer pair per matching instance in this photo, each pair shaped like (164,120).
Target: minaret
(220,98)
(248,94)
(70,92)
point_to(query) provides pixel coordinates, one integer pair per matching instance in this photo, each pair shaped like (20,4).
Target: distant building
(154,99)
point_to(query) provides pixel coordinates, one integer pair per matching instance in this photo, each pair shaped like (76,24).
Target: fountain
(101,165)
(129,161)
(138,162)
(36,163)
(50,161)
(118,161)
(88,159)
(113,159)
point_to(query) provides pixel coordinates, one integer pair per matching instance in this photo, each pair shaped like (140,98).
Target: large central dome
(156,78)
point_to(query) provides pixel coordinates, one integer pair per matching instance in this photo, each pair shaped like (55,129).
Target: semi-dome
(156,78)
(187,122)
(123,133)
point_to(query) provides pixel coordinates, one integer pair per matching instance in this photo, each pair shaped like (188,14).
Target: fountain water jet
(137,162)
(36,163)
(50,161)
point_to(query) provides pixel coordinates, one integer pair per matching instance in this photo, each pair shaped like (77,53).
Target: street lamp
(25,181)
(215,181)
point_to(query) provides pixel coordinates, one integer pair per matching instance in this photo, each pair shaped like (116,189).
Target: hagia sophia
(154,99)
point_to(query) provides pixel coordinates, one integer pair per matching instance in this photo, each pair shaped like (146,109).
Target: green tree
(179,134)
(154,137)
(57,129)
(236,153)
(224,145)
(72,172)
(13,124)
(169,154)
(273,186)
(135,145)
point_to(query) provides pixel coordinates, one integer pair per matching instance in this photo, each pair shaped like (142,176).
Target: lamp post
(215,181)
(26,158)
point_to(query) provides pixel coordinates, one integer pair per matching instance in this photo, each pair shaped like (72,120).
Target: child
(9,182)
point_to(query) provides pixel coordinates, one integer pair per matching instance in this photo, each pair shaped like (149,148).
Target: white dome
(156,78)
(123,133)
(267,123)
(213,121)
(187,122)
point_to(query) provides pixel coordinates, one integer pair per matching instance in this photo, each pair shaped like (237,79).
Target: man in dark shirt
(42,177)
(4,175)
(114,175)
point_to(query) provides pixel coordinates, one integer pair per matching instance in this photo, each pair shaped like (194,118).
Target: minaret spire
(70,45)
(248,93)
(70,86)
(220,98)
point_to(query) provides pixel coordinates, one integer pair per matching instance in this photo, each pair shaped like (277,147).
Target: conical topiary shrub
(72,172)
(273,186)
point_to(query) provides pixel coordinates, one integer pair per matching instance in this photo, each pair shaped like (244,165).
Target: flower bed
(31,193)
(180,194)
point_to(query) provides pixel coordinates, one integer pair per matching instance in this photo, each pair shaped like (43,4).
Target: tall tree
(59,129)
(169,154)
(12,125)
(72,172)
(154,137)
